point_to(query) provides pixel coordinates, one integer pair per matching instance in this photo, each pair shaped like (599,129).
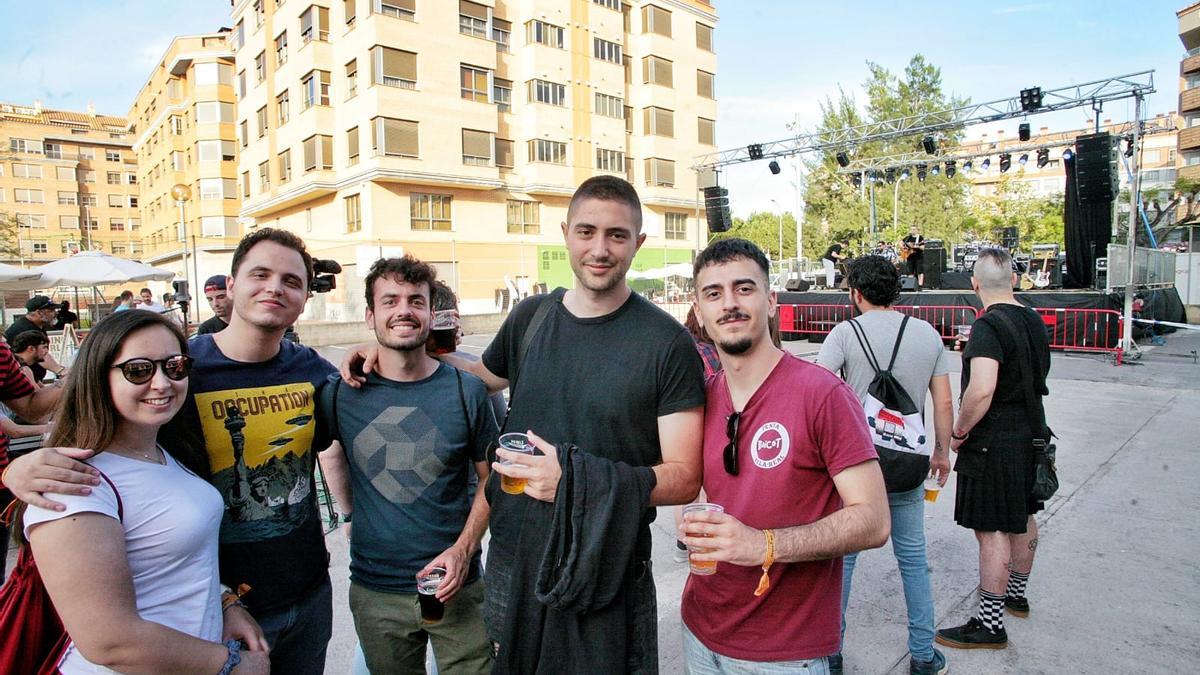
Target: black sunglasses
(731,453)
(141,371)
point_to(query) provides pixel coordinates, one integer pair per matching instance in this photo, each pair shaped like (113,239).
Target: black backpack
(896,424)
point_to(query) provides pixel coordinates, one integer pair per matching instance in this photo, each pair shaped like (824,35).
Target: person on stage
(914,244)
(833,255)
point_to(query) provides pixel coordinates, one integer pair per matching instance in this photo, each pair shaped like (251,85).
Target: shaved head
(993,270)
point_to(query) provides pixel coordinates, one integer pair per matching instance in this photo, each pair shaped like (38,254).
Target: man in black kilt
(993,437)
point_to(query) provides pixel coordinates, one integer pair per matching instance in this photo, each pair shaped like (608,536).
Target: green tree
(837,209)
(1037,219)
(762,228)
(9,237)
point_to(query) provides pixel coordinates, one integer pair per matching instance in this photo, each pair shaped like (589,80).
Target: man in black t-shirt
(833,255)
(218,299)
(993,437)
(39,316)
(914,244)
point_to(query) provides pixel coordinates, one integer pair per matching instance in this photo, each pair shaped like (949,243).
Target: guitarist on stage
(914,249)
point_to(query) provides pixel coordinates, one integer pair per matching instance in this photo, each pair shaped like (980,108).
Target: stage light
(1005,162)
(1031,99)
(950,170)
(986,163)
(1068,155)
(890,175)
(856,179)
(755,150)
(921,172)
(969,165)
(935,169)
(1023,131)
(843,159)
(1024,159)
(906,173)
(1129,146)
(774,167)
(1043,157)
(929,144)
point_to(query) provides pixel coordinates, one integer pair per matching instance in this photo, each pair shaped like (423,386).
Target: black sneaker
(935,666)
(1016,606)
(972,635)
(835,664)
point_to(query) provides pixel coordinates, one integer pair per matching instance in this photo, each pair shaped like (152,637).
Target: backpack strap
(120,504)
(337,422)
(1036,413)
(535,323)
(899,337)
(861,335)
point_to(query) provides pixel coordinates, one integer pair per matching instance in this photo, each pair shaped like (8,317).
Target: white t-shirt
(171,521)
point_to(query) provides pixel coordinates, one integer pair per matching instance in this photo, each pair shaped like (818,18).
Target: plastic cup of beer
(432,609)
(701,567)
(514,442)
(444,331)
(932,488)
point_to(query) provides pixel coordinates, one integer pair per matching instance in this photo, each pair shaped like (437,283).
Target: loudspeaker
(934,263)
(908,283)
(797,284)
(716,209)
(1096,174)
(1010,238)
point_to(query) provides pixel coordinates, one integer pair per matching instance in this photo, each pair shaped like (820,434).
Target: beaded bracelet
(234,658)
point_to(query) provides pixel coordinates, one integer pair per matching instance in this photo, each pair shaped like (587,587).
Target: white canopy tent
(674,270)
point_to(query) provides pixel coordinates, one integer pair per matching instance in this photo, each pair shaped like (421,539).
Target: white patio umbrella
(673,270)
(96,268)
(13,278)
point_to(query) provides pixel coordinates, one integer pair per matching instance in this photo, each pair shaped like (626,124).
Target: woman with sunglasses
(132,566)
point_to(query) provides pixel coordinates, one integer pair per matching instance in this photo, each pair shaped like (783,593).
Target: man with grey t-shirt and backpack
(910,354)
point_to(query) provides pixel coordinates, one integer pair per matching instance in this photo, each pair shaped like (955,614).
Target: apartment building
(457,130)
(183,124)
(68,181)
(1189,92)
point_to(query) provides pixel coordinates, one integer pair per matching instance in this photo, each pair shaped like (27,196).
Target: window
(501,34)
(262,121)
(656,20)
(213,73)
(350,9)
(316,88)
(318,153)
(215,151)
(131,179)
(213,112)
(353,214)
(264,177)
(217,188)
(544,33)
(551,152)
(610,160)
(472,19)
(474,83)
(176,125)
(502,94)
(177,160)
(242,84)
(524,217)
(281,49)
(285,166)
(217,226)
(68,198)
(68,222)
(53,150)
(660,172)
(40,247)
(606,51)
(87,153)
(707,131)
(352,78)
(609,106)
(676,226)
(542,91)
(244,133)
(476,147)
(112,155)
(352,146)
(87,200)
(28,196)
(611,4)
(504,153)
(27,171)
(89,176)
(704,37)
(260,66)
(258,13)
(23,145)
(65,173)
(401,9)
(133,202)
(118,249)
(116,201)
(314,24)
(31,220)
(659,122)
(116,224)
(430,212)
(704,84)
(245,185)
(658,71)
(282,108)
(396,138)
(394,68)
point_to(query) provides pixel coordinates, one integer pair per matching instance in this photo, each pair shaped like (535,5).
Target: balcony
(1189,139)
(1190,172)
(1190,65)
(1189,100)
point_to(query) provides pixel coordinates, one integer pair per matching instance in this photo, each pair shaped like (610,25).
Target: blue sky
(777,58)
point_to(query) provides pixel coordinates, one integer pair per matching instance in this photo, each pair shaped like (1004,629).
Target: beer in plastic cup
(931,489)
(701,567)
(444,331)
(432,609)
(514,442)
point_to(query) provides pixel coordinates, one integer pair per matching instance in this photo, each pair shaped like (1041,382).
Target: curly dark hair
(876,278)
(407,269)
(725,250)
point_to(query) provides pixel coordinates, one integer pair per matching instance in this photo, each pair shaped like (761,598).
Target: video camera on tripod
(324,271)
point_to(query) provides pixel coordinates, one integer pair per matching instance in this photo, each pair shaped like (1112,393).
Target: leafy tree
(9,250)
(762,228)
(1165,211)
(1037,219)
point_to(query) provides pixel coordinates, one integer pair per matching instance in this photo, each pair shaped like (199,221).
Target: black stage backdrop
(1088,231)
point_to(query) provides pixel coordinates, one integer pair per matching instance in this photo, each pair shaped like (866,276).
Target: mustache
(733,316)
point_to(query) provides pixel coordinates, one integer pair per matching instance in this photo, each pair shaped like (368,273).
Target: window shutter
(473,9)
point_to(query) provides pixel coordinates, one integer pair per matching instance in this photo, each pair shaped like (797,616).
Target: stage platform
(1074,318)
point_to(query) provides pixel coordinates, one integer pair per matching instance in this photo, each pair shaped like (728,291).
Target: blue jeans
(908,543)
(703,661)
(298,634)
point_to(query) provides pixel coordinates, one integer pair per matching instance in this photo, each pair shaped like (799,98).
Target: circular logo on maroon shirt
(770,445)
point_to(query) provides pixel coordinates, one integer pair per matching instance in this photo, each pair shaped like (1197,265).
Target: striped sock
(1016,584)
(991,611)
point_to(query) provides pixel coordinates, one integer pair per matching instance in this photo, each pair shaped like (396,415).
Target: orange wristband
(765,581)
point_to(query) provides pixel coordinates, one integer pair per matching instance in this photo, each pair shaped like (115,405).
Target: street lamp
(182,193)
(780,230)
(896,200)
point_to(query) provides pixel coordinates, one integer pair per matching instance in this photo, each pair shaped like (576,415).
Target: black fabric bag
(896,424)
(1045,480)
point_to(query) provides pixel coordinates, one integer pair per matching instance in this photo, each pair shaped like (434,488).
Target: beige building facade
(68,182)
(457,130)
(183,124)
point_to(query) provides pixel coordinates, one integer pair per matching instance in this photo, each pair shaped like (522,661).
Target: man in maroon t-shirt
(787,454)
